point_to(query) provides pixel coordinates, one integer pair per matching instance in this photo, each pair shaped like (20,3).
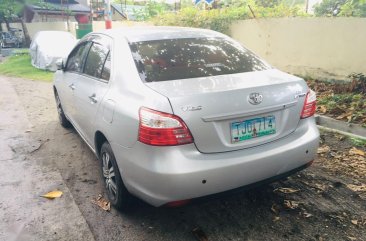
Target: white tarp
(49,46)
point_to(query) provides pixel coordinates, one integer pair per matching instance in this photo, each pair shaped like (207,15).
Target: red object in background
(108,24)
(82,18)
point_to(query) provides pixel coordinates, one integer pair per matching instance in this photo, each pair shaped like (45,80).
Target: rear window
(171,59)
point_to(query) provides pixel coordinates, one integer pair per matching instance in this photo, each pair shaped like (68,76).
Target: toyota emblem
(255,98)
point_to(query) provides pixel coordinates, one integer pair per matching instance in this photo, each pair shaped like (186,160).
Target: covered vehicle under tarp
(49,46)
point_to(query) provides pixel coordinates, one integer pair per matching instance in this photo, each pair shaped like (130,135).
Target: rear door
(92,85)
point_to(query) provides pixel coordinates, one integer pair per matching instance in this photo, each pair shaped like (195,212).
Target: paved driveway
(44,156)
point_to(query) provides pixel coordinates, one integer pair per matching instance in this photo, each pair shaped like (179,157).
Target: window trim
(93,41)
(105,61)
(83,61)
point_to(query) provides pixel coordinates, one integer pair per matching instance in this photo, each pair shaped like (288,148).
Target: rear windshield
(170,59)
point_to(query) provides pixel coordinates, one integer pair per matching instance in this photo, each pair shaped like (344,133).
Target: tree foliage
(355,8)
(347,8)
(329,7)
(215,19)
(267,4)
(220,19)
(152,9)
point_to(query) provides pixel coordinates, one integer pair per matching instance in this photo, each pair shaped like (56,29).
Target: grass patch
(358,142)
(20,66)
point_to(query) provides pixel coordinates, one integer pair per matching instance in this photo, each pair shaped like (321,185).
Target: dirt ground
(324,202)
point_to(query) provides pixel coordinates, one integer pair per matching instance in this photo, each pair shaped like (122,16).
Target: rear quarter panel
(118,116)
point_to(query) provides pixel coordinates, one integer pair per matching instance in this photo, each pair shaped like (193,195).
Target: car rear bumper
(160,175)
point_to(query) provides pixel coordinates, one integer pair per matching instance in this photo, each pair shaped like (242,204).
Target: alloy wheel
(109,175)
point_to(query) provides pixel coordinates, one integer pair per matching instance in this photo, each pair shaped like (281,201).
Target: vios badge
(255,98)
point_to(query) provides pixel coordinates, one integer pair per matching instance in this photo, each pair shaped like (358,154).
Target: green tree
(152,9)
(267,4)
(348,8)
(329,7)
(354,8)
(11,11)
(8,11)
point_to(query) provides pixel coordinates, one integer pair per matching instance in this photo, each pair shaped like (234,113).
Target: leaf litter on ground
(342,100)
(102,203)
(52,194)
(199,234)
(286,190)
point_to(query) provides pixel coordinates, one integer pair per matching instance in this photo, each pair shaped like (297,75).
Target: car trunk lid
(221,111)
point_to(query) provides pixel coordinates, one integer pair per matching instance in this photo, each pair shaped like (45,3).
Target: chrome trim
(248,112)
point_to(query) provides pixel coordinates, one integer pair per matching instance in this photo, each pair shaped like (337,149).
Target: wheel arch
(99,139)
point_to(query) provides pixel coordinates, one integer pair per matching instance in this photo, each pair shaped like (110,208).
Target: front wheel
(118,195)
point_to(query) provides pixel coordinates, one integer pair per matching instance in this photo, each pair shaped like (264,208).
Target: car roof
(149,33)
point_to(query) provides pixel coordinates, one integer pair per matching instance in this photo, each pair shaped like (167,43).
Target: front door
(70,79)
(92,86)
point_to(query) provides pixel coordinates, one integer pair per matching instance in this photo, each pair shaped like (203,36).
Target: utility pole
(108,14)
(307,6)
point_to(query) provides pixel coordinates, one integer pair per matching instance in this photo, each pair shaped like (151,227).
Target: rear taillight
(309,105)
(162,129)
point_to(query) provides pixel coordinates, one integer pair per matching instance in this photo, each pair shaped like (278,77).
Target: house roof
(55,6)
(127,11)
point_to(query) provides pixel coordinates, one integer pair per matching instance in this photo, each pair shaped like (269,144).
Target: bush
(215,19)
(221,19)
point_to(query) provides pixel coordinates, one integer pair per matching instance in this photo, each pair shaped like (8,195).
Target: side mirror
(60,64)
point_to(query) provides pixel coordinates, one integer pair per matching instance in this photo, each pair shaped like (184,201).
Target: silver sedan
(174,114)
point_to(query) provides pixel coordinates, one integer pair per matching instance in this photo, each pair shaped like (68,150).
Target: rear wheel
(118,195)
(61,115)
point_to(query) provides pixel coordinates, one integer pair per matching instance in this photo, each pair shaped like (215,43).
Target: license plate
(252,128)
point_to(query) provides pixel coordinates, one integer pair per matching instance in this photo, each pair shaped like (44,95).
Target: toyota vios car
(174,114)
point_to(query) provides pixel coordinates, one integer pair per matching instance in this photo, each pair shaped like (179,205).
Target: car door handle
(93,98)
(72,86)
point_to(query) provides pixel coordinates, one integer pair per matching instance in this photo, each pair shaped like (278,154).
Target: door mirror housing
(60,64)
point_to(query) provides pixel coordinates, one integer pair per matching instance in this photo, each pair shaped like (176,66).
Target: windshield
(170,59)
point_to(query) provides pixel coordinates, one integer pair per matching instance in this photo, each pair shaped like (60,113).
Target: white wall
(33,28)
(317,47)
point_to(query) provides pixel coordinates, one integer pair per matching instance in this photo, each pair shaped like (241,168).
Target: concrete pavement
(24,214)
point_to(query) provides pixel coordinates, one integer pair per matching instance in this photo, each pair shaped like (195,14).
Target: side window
(95,61)
(75,60)
(106,72)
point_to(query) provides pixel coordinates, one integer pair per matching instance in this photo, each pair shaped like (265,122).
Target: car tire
(61,115)
(117,193)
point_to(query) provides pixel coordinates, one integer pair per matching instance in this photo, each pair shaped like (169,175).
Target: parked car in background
(9,40)
(175,114)
(49,46)
(19,34)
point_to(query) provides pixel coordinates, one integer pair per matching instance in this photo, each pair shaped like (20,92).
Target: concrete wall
(317,47)
(33,28)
